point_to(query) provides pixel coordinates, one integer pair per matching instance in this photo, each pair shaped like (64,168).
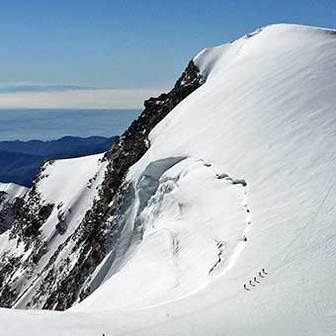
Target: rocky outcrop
(10,202)
(7,212)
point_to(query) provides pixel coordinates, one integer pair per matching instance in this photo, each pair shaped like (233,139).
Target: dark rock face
(8,211)
(3,211)
(98,233)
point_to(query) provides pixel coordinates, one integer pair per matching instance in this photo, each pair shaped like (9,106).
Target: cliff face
(61,267)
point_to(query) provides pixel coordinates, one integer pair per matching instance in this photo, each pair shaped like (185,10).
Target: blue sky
(137,45)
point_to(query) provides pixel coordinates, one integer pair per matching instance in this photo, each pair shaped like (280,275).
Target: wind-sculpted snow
(252,201)
(130,220)
(184,211)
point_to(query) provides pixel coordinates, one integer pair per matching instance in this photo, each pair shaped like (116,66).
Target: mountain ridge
(91,234)
(213,214)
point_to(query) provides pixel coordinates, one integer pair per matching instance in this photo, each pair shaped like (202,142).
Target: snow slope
(248,154)
(13,190)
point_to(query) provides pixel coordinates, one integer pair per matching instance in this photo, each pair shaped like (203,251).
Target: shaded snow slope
(248,155)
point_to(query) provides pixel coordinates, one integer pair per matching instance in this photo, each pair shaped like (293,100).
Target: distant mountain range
(20,160)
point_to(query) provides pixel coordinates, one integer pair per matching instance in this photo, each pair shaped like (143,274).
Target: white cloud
(38,87)
(83,98)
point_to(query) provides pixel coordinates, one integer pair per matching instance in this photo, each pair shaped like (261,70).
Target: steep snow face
(236,188)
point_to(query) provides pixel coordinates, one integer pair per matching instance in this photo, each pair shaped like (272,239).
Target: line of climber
(255,280)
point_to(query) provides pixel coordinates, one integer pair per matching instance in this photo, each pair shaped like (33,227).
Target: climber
(261,276)
(244,238)
(221,176)
(251,283)
(263,270)
(245,287)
